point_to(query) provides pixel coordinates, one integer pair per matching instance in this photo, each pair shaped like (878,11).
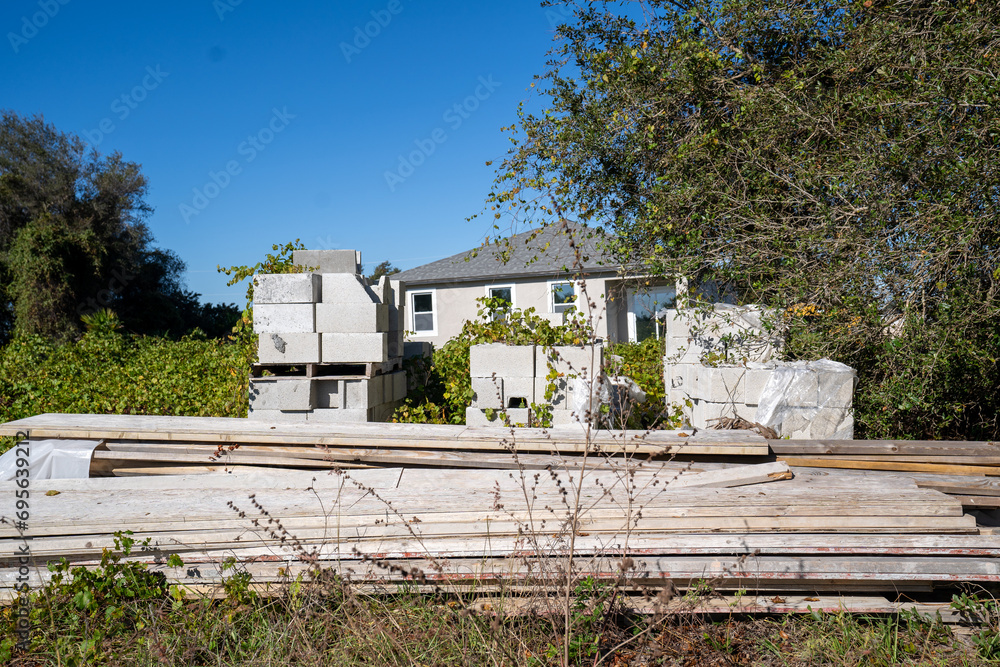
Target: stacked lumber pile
(459,507)
(133,444)
(970,471)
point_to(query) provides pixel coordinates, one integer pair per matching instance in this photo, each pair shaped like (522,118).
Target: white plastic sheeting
(48,459)
(809,399)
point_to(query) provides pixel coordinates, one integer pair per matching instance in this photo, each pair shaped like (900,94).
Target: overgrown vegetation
(121,613)
(108,371)
(832,159)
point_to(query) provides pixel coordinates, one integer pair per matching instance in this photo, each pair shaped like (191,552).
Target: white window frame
(433,311)
(550,285)
(513,292)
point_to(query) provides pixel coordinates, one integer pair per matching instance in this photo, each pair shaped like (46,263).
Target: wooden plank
(741,476)
(984,502)
(797,461)
(421,436)
(877,447)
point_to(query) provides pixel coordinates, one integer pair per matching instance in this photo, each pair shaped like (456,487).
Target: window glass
(647,307)
(503,293)
(423,312)
(563,297)
(423,303)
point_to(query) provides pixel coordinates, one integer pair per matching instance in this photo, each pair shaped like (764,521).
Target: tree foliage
(383,269)
(73,240)
(837,159)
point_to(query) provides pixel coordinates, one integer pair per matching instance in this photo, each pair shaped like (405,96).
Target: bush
(106,372)
(440,391)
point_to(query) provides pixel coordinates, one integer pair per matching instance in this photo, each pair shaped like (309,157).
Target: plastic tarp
(49,459)
(809,399)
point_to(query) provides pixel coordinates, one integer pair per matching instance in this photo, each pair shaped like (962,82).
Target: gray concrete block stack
(722,364)
(513,377)
(330,345)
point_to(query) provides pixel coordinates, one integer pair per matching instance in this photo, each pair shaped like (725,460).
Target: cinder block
(562,394)
(563,418)
(703,413)
(476,417)
(288,348)
(507,361)
(754,383)
(832,424)
(281,394)
(836,390)
(330,394)
(356,348)
(395,386)
(339,416)
(516,388)
(352,317)
(279,415)
(286,288)
(396,343)
(329,261)
(417,349)
(488,393)
(723,384)
(284,318)
(346,288)
(586,361)
(365,393)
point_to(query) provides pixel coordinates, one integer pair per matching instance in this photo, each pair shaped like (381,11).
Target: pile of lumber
(970,471)
(457,507)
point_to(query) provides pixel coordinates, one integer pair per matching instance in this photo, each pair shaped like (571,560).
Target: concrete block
(355,416)
(507,361)
(832,424)
(562,395)
(279,415)
(585,361)
(398,288)
(417,349)
(395,386)
(281,394)
(365,393)
(488,393)
(354,348)
(396,344)
(836,390)
(703,413)
(288,348)
(329,261)
(284,318)
(754,383)
(286,288)
(352,317)
(723,384)
(563,418)
(476,417)
(346,288)
(517,388)
(330,394)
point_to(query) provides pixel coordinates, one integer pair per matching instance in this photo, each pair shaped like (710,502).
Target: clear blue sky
(307,127)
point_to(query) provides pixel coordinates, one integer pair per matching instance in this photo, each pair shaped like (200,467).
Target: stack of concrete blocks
(809,400)
(719,364)
(507,379)
(316,331)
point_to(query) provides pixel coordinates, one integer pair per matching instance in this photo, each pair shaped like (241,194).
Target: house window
(563,298)
(504,293)
(646,311)
(424,317)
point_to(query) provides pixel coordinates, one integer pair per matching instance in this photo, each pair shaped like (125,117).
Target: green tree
(834,159)
(73,240)
(384,269)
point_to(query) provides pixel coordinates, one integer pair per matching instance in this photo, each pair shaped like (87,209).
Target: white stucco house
(539,273)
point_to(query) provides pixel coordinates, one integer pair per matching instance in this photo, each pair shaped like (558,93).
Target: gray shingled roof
(542,253)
